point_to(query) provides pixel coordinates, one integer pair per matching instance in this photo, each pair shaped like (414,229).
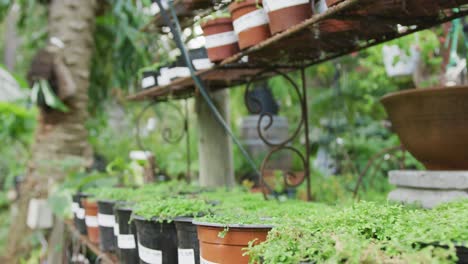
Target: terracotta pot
(250,22)
(221,40)
(284,14)
(228,250)
(432,125)
(92,227)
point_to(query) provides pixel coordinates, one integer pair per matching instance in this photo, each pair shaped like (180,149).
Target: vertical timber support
(214,144)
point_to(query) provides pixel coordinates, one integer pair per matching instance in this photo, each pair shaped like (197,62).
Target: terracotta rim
(416,91)
(246,226)
(236,5)
(216,21)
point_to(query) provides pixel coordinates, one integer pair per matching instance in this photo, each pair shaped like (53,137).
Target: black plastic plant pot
(187,241)
(127,247)
(462,254)
(79,213)
(150,79)
(106,222)
(157,242)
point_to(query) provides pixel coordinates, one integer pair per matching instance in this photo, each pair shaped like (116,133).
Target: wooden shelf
(370,22)
(105,257)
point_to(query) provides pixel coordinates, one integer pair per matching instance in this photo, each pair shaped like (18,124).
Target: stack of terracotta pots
(251,22)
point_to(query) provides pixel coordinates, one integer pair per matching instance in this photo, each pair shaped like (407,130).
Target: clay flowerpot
(106,222)
(432,125)
(157,242)
(92,227)
(229,249)
(126,235)
(79,212)
(220,39)
(187,241)
(250,22)
(284,14)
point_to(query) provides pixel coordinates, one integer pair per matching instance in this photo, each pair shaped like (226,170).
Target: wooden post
(214,144)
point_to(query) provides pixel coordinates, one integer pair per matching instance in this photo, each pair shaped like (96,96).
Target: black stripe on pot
(79,213)
(126,240)
(157,242)
(106,222)
(187,241)
(149,79)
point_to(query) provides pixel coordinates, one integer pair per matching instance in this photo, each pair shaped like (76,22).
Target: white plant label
(250,20)
(204,261)
(202,64)
(179,72)
(116,229)
(186,256)
(149,255)
(273,5)
(106,220)
(220,39)
(321,7)
(91,221)
(80,213)
(126,241)
(148,82)
(75,207)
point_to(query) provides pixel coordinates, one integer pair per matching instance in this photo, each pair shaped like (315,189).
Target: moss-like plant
(367,232)
(166,210)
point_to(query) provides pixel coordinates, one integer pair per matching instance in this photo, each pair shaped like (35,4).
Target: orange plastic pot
(221,40)
(432,125)
(229,249)
(250,22)
(92,227)
(283,14)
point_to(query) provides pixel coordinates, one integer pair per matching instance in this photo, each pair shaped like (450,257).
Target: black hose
(176,32)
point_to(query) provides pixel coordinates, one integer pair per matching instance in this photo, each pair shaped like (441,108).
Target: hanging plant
(43,95)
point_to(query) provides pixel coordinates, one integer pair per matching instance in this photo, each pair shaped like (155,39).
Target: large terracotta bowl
(432,125)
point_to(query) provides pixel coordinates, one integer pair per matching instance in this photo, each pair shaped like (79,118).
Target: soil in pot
(157,242)
(220,39)
(92,227)
(228,250)
(126,235)
(106,222)
(250,22)
(432,125)
(284,14)
(79,212)
(187,241)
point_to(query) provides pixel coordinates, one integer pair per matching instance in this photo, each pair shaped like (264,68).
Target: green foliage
(169,209)
(366,232)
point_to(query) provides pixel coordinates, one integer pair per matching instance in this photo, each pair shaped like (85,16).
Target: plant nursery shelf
(347,27)
(104,257)
(186,10)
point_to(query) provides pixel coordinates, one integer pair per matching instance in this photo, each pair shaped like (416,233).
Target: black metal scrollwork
(168,134)
(291,179)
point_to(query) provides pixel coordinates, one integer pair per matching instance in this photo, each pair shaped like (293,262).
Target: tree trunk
(11,38)
(214,146)
(60,137)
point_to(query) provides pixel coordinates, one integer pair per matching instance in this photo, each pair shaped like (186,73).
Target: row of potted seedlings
(177,223)
(163,75)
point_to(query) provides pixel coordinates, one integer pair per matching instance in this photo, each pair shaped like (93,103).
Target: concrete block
(446,180)
(426,198)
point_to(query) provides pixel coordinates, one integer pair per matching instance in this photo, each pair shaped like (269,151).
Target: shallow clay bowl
(432,125)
